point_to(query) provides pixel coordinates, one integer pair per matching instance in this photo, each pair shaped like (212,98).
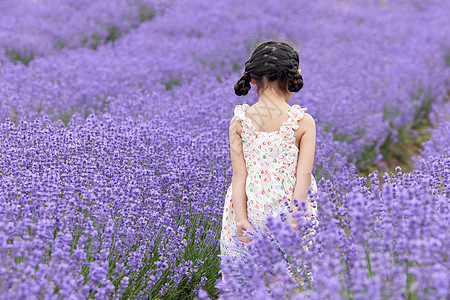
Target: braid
(242,87)
(295,82)
(275,61)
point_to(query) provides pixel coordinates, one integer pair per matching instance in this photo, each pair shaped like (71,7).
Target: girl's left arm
(305,159)
(239,195)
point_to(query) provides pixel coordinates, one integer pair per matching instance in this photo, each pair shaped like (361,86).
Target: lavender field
(115,158)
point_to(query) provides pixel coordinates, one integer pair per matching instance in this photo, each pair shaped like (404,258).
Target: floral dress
(271,161)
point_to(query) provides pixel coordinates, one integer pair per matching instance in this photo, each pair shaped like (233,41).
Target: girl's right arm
(239,195)
(238,182)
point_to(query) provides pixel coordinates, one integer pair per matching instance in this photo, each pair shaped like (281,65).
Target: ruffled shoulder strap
(296,113)
(239,112)
(246,123)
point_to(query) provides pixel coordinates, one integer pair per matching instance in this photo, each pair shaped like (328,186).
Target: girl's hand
(294,225)
(241,226)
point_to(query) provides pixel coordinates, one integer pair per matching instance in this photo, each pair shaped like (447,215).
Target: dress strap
(248,130)
(239,113)
(296,113)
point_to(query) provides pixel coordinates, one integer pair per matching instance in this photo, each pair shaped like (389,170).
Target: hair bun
(242,86)
(295,86)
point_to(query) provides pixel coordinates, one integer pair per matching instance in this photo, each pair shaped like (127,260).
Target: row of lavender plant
(30,29)
(106,209)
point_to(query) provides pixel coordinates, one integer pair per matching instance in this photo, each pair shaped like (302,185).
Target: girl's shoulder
(238,116)
(307,119)
(306,123)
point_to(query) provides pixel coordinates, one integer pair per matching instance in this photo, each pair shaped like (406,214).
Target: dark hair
(271,61)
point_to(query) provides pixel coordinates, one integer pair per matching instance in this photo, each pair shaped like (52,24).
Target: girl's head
(271,64)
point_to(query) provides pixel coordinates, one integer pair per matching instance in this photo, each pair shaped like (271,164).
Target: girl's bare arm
(305,158)
(239,178)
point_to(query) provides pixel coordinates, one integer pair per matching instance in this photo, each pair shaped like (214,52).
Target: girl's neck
(270,99)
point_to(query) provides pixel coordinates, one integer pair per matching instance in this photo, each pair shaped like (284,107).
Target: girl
(272,144)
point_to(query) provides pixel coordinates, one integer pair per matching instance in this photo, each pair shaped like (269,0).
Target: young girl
(272,144)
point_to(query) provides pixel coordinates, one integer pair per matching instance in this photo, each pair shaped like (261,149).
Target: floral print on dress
(271,161)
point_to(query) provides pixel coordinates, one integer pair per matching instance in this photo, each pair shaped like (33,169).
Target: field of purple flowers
(114,150)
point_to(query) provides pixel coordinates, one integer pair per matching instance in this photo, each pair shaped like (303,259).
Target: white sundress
(271,161)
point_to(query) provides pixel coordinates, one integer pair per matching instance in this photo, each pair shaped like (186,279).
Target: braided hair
(272,61)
